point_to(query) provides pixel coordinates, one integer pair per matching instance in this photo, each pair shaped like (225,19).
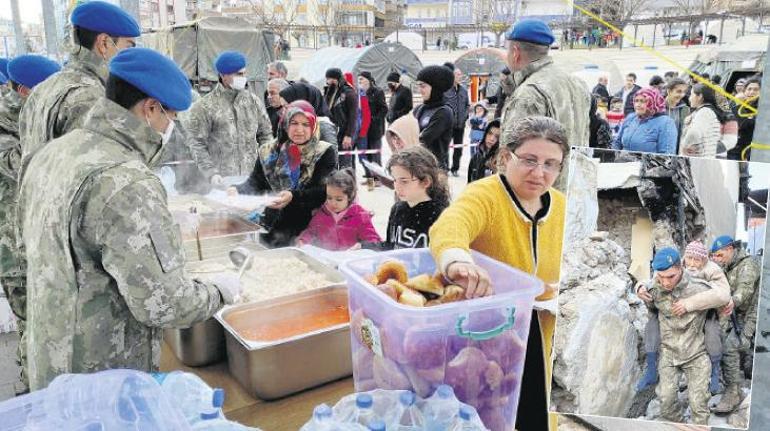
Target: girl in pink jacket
(340,223)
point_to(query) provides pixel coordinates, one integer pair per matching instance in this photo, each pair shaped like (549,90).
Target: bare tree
(616,12)
(276,16)
(502,13)
(329,17)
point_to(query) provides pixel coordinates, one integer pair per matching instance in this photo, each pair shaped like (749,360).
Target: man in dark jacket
(273,101)
(342,101)
(457,99)
(601,90)
(400,98)
(434,116)
(627,94)
(378,110)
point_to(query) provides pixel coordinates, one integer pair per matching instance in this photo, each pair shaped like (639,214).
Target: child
(423,196)
(341,223)
(484,162)
(615,115)
(478,123)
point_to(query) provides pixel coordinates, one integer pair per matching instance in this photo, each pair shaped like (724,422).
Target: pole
(49,28)
(21,47)
(516,10)
(654,33)
(721,30)
(762,122)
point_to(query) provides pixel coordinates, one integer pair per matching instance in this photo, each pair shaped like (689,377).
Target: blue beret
(155,75)
(3,79)
(665,259)
(4,65)
(532,31)
(721,242)
(30,70)
(105,17)
(230,62)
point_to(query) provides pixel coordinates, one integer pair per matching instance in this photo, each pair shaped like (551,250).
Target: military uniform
(225,128)
(11,271)
(105,263)
(683,349)
(743,274)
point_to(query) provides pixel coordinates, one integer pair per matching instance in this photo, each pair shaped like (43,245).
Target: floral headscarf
(656,104)
(288,165)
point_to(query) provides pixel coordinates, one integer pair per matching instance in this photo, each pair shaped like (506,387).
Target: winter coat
(679,113)
(601,90)
(457,99)
(656,134)
(355,226)
(400,103)
(628,107)
(482,163)
(379,110)
(435,120)
(702,133)
(343,105)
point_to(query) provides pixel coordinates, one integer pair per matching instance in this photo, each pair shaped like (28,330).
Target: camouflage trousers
(712,331)
(15,289)
(698,372)
(735,345)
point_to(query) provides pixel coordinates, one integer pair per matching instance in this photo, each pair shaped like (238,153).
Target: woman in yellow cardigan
(516,218)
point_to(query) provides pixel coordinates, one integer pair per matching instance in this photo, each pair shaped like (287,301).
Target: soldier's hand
(283,199)
(642,293)
(727,309)
(679,309)
(347,142)
(229,286)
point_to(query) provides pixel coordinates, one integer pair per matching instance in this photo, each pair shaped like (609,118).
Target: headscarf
(302,91)
(656,104)
(288,166)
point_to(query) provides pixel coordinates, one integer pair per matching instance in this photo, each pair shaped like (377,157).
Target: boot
(651,373)
(716,371)
(729,401)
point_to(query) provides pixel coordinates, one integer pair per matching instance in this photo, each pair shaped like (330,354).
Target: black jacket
(400,103)
(500,99)
(628,108)
(343,106)
(408,226)
(285,225)
(457,99)
(478,166)
(379,110)
(435,121)
(275,118)
(601,90)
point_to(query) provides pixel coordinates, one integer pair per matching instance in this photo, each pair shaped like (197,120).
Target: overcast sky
(30,10)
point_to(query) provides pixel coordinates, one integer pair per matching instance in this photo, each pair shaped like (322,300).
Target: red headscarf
(656,104)
(299,107)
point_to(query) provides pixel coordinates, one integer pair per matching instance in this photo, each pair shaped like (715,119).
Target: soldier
(682,343)
(743,273)
(58,106)
(106,268)
(26,71)
(227,125)
(541,88)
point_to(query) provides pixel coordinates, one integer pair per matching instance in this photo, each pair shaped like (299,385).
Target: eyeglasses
(531,163)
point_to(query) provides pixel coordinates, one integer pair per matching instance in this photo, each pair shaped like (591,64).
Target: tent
(379,59)
(481,66)
(742,58)
(195,45)
(409,39)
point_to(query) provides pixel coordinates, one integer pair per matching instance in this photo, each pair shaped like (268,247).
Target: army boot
(729,401)
(716,371)
(651,373)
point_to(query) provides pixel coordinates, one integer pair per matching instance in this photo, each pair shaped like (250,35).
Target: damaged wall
(719,200)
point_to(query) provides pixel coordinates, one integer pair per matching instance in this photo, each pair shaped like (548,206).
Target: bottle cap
(364,401)
(406,398)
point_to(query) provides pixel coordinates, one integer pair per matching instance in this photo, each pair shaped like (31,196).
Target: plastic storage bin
(476,346)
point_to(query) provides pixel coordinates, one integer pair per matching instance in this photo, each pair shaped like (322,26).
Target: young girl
(423,196)
(478,122)
(341,223)
(484,162)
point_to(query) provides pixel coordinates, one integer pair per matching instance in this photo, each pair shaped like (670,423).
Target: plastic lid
(406,398)
(364,401)
(322,411)
(218,398)
(376,425)
(445,391)
(466,412)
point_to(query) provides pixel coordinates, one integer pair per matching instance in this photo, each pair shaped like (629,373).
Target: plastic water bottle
(362,413)
(322,419)
(195,398)
(410,418)
(221,425)
(465,420)
(376,425)
(441,409)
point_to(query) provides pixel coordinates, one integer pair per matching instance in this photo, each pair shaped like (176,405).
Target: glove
(229,286)
(217,180)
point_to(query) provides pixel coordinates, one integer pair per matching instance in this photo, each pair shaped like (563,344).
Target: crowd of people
(673,115)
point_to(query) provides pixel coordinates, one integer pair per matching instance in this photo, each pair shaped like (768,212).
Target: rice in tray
(269,278)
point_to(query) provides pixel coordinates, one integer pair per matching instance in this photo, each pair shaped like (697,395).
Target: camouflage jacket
(541,88)
(225,128)
(681,338)
(59,104)
(743,274)
(105,263)
(10,154)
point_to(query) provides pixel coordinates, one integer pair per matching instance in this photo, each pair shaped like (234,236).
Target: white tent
(409,39)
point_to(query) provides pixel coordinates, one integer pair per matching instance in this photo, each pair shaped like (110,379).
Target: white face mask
(165,136)
(239,82)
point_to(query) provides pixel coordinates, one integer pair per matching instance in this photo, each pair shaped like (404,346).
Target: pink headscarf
(656,104)
(696,249)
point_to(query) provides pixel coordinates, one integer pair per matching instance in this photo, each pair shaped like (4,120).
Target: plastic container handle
(486,335)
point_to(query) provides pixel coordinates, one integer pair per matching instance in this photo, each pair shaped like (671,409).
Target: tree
(701,7)
(616,12)
(276,16)
(329,17)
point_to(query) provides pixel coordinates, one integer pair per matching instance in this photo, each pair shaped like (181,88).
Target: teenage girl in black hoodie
(434,116)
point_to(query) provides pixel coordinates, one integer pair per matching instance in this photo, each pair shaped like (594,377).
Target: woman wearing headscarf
(302,91)
(703,128)
(434,116)
(294,166)
(648,129)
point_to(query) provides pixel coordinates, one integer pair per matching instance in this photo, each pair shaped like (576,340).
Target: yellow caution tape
(706,82)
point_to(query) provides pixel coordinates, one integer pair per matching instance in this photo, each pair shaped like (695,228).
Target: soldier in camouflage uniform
(26,71)
(226,126)
(541,88)
(743,274)
(683,344)
(106,267)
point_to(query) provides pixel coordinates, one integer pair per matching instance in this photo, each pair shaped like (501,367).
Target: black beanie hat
(449,65)
(440,78)
(368,76)
(334,73)
(394,77)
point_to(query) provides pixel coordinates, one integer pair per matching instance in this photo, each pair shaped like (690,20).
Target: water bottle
(465,420)
(362,413)
(376,425)
(322,419)
(195,398)
(221,425)
(441,409)
(410,418)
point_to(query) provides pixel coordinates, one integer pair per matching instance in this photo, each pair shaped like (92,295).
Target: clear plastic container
(462,344)
(221,425)
(322,419)
(441,409)
(467,420)
(193,396)
(410,418)
(376,425)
